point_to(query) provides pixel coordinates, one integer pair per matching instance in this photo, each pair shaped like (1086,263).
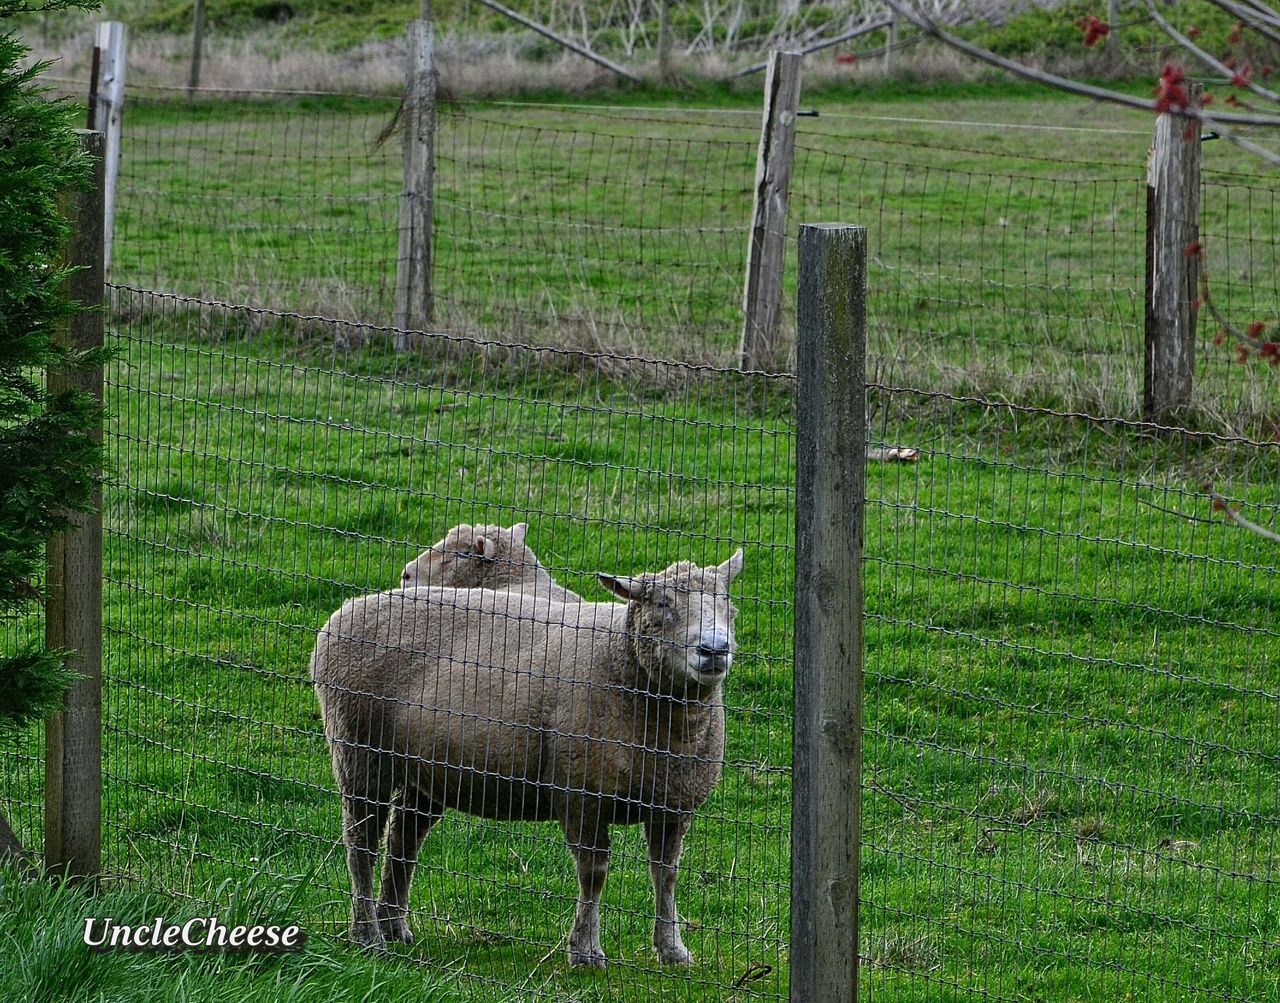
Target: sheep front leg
(363,819)
(664,835)
(590,849)
(411,820)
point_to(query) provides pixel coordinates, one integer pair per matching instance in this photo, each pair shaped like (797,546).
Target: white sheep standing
(485,557)
(506,707)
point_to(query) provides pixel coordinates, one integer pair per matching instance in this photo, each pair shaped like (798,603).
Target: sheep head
(473,557)
(680,623)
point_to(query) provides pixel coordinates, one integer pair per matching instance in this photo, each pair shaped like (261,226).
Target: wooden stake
(827,683)
(762,297)
(1173,226)
(197,47)
(415,304)
(73,616)
(107,116)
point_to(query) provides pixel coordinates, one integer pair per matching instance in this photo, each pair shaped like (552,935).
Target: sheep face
(681,624)
(471,557)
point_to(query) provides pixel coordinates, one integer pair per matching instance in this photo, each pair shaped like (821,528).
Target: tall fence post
(197,47)
(415,307)
(665,73)
(73,616)
(762,298)
(1173,225)
(827,735)
(890,43)
(106,112)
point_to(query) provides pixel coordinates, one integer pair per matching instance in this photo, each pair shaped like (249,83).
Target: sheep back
(503,706)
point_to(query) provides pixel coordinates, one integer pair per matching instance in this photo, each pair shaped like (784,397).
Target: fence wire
(1072,717)
(1072,712)
(22,752)
(1000,266)
(264,476)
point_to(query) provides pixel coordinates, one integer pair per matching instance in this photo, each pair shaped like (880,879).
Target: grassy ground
(1006,229)
(44,958)
(1071,695)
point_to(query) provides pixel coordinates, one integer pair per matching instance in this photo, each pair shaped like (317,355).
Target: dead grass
(269,60)
(475,66)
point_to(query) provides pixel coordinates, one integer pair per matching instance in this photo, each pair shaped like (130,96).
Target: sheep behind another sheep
(485,557)
(503,706)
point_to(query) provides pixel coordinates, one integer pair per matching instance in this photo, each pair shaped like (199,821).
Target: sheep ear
(730,568)
(517,533)
(485,547)
(622,587)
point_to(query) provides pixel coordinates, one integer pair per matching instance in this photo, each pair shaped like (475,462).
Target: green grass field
(1071,711)
(1006,230)
(1072,697)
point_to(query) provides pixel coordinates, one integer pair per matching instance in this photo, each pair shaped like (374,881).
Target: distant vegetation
(1043,33)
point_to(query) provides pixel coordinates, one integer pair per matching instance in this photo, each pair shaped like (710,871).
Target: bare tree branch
(1230,75)
(1262,10)
(1230,513)
(1255,20)
(1233,515)
(930,27)
(1230,136)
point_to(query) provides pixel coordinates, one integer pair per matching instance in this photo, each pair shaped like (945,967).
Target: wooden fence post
(73,615)
(827,737)
(197,47)
(105,116)
(415,307)
(1173,225)
(665,74)
(762,298)
(890,43)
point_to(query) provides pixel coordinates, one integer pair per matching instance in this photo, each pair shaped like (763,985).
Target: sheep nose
(716,649)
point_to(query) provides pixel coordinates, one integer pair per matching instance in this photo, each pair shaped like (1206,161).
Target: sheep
(485,557)
(499,705)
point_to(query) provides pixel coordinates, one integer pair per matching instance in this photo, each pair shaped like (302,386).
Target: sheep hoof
(397,930)
(368,935)
(590,958)
(679,955)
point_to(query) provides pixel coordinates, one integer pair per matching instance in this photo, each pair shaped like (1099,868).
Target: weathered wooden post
(665,74)
(827,736)
(890,44)
(762,298)
(197,47)
(73,616)
(106,110)
(415,306)
(1173,226)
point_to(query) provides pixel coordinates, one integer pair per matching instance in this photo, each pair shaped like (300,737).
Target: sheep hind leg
(411,820)
(363,818)
(590,849)
(664,835)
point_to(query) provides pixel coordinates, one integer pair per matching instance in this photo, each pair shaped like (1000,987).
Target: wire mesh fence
(1072,721)
(22,752)
(264,476)
(1000,266)
(1069,785)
